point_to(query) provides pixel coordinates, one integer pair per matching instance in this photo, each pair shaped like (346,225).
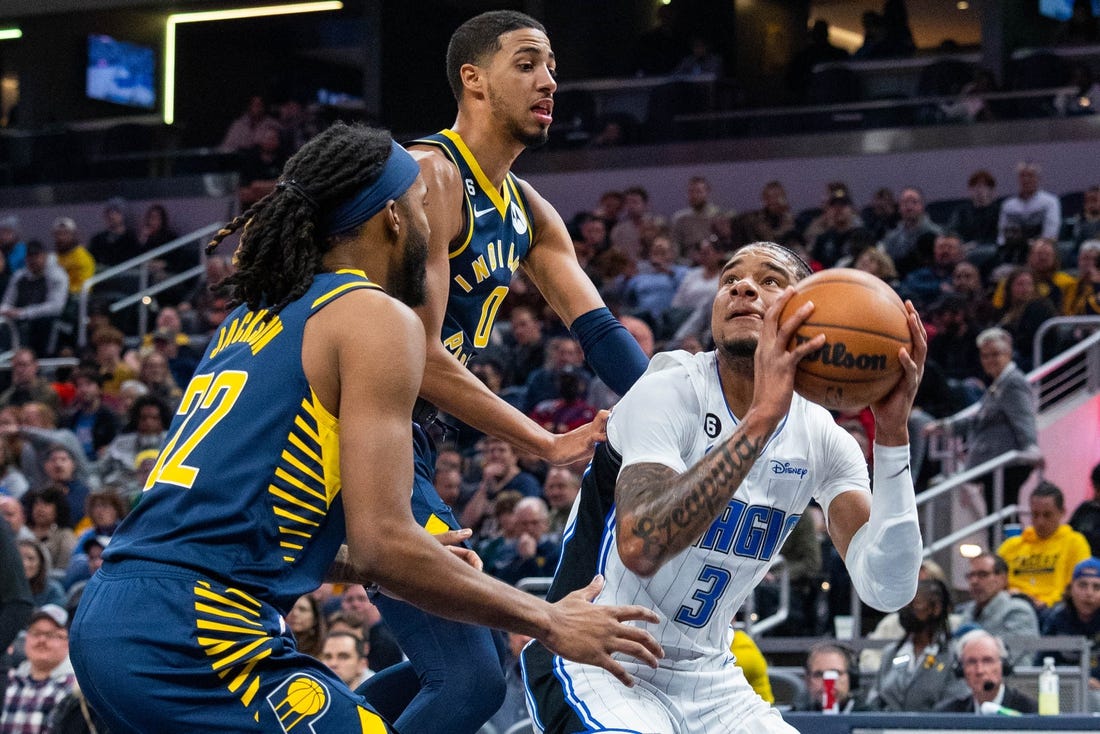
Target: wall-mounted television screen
(121,72)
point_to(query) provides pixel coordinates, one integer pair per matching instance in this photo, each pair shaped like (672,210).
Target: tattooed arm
(661,512)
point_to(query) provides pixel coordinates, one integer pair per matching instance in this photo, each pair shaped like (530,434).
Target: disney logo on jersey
(785,467)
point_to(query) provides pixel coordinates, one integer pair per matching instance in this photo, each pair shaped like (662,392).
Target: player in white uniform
(717,459)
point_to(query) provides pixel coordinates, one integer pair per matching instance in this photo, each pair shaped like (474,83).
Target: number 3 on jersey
(213,394)
(715,581)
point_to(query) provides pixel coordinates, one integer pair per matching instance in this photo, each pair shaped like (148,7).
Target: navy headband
(397,176)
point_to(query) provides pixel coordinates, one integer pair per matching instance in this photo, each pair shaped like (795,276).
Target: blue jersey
(246,487)
(496,235)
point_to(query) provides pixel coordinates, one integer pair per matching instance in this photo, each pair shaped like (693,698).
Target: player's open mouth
(544,111)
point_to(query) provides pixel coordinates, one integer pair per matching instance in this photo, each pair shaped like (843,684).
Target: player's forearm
(455,390)
(453,589)
(884,555)
(662,513)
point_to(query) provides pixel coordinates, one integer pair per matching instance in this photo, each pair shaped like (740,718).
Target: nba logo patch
(301,699)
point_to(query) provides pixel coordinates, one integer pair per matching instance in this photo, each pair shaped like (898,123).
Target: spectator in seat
(146,429)
(927,284)
(50,522)
(27,384)
(308,625)
(358,611)
(44,678)
(881,215)
(1042,560)
(108,343)
(991,607)
(826,656)
(531,551)
(692,223)
(12,247)
(1032,211)
(346,655)
(1086,518)
(157,377)
(72,256)
(36,297)
(38,567)
(982,661)
(244,132)
(1081,296)
(1086,225)
(976,220)
(560,489)
(917,671)
(1078,613)
(94,424)
(116,242)
(900,243)
(1025,309)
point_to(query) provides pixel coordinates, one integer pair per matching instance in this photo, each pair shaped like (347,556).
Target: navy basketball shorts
(157,648)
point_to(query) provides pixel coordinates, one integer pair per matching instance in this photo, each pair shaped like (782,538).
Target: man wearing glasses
(994,609)
(44,678)
(822,658)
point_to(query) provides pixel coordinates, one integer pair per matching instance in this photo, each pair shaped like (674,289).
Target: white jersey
(673,416)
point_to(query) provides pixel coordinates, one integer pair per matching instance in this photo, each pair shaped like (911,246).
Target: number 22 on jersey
(210,394)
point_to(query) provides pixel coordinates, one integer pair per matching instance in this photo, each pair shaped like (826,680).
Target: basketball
(864,323)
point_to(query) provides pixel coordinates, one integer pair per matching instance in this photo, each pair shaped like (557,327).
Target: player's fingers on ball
(809,347)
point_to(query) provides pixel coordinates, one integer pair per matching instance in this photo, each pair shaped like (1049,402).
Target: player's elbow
(635,555)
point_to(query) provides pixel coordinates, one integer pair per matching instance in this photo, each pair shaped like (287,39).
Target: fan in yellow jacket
(1041,559)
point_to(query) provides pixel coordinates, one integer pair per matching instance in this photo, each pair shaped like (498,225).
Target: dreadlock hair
(479,38)
(283,239)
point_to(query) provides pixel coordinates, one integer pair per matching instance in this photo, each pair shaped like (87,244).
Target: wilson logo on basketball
(837,355)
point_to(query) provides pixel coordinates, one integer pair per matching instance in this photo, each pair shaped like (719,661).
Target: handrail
(156,288)
(1062,357)
(135,262)
(879,104)
(994,519)
(782,611)
(5,357)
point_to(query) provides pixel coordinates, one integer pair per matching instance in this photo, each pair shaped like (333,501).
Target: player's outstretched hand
(579,443)
(892,412)
(590,633)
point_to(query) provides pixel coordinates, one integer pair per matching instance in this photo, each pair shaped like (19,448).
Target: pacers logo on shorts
(302,699)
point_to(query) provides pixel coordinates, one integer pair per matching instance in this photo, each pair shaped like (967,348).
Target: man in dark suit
(982,663)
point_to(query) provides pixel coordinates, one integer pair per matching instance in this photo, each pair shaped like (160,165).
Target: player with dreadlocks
(292,438)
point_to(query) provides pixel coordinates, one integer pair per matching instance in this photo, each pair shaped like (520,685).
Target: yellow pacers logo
(301,699)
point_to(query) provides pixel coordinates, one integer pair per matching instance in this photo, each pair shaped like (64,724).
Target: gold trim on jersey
(500,198)
(469,204)
(251,328)
(340,289)
(230,632)
(307,477)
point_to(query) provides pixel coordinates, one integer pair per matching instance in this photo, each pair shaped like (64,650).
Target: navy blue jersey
(496,235)
(246,487)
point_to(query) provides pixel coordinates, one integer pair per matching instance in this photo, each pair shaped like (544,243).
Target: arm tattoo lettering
(667,512)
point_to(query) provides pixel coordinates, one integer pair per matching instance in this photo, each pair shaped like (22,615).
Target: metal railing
(145,290)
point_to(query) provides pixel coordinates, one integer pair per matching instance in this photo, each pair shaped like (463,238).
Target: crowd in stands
(77,443)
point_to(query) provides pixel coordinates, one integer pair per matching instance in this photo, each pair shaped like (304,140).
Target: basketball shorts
(157,648)
(683,698)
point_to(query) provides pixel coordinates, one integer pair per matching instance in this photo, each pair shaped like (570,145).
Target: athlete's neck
(495,151)
(736,374)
